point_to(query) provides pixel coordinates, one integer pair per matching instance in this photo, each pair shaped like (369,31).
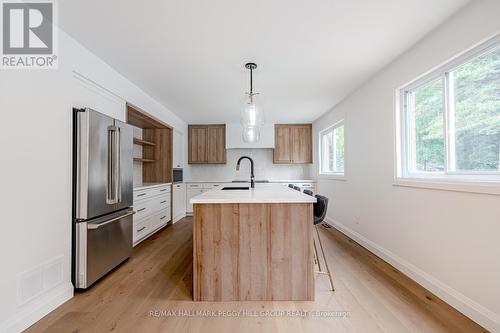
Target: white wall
(263,165)
(35,200)
(447,241)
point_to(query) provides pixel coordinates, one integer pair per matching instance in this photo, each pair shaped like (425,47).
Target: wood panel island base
(259,247)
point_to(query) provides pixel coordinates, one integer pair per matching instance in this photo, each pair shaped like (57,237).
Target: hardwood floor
(370,296)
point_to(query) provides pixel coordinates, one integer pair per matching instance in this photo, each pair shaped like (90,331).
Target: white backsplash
(264,168)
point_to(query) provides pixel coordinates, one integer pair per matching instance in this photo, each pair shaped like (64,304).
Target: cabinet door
(198,144)
(191,192)
(178,201)
(301,144)
(283,144)
(216,147)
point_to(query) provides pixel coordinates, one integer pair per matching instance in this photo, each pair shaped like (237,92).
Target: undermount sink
(235,188)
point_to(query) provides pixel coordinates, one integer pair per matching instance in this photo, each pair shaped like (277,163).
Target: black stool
(290,185)
(308,192)
(296,188)
(319,209)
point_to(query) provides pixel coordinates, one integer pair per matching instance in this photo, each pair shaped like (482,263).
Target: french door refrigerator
(102,195)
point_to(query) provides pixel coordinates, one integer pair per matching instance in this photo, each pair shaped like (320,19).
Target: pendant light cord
(251,80)
(251,66)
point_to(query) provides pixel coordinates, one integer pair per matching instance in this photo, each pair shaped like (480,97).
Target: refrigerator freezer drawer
(101,246)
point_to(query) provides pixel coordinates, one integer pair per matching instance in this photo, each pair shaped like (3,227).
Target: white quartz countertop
(243,180)
(262,193)
(143,186)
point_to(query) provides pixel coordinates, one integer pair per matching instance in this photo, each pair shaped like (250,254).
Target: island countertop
(262,193)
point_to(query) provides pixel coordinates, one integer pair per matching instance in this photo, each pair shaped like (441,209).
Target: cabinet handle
(163,190)
(161,218)
(141,195)
(163,201)
(140,210)
(139,230)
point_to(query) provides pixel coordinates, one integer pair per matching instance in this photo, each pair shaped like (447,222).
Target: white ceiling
(189,54)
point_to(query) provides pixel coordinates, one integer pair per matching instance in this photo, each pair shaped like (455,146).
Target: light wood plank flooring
(158,277)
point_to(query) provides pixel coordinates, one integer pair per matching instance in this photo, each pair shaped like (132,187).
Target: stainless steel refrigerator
(102,195)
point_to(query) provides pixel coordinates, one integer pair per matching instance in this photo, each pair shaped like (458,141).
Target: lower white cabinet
(178,202)
(192,190)
(152,210)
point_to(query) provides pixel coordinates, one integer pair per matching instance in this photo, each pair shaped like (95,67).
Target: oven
(177,177)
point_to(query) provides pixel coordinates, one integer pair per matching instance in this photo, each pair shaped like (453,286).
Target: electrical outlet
(356,220)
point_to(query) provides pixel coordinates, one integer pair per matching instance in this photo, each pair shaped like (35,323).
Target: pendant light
(252,117)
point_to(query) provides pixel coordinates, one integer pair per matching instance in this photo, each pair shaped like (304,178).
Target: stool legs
(330,278)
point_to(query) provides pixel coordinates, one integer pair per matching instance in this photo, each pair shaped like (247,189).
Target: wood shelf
(144,160)
(141,142)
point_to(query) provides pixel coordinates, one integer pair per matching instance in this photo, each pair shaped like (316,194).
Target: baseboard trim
(179,217)
(478,313)
(40,307)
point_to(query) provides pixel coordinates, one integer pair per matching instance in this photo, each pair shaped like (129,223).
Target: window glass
(332,150)
(428,148)
(476,107)
(339,151)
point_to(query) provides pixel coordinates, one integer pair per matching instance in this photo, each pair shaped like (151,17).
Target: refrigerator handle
(112,184)
(118,167)
(109,184)
(93,226)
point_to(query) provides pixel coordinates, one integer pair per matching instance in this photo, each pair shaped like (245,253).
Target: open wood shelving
(156,142)
(141,142)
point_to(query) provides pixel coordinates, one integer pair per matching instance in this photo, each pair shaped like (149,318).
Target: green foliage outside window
(475,107)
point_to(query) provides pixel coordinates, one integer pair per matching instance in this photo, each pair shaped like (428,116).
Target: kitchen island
(254,244)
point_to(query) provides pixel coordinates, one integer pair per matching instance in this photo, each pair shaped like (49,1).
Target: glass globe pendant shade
(252,115)
(251,134)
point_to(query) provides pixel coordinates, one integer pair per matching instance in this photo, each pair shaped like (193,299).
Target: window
(449,120)
(331,142)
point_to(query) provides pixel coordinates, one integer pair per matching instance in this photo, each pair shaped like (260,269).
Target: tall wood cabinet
(207,144)
(293,143)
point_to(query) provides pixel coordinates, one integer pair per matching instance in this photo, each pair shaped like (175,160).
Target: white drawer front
(164,202)
(194,186)
(145,208)
(160,219)
(141,229)
(141,195)
(161,190)
(151,192)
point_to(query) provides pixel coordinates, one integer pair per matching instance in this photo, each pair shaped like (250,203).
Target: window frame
(404,173)
(335,174)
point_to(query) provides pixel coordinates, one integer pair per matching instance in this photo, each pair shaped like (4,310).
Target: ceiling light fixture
(252,117)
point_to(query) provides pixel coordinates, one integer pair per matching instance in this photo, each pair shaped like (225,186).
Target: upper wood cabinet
(207,144)
(293,143)
(216,147)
